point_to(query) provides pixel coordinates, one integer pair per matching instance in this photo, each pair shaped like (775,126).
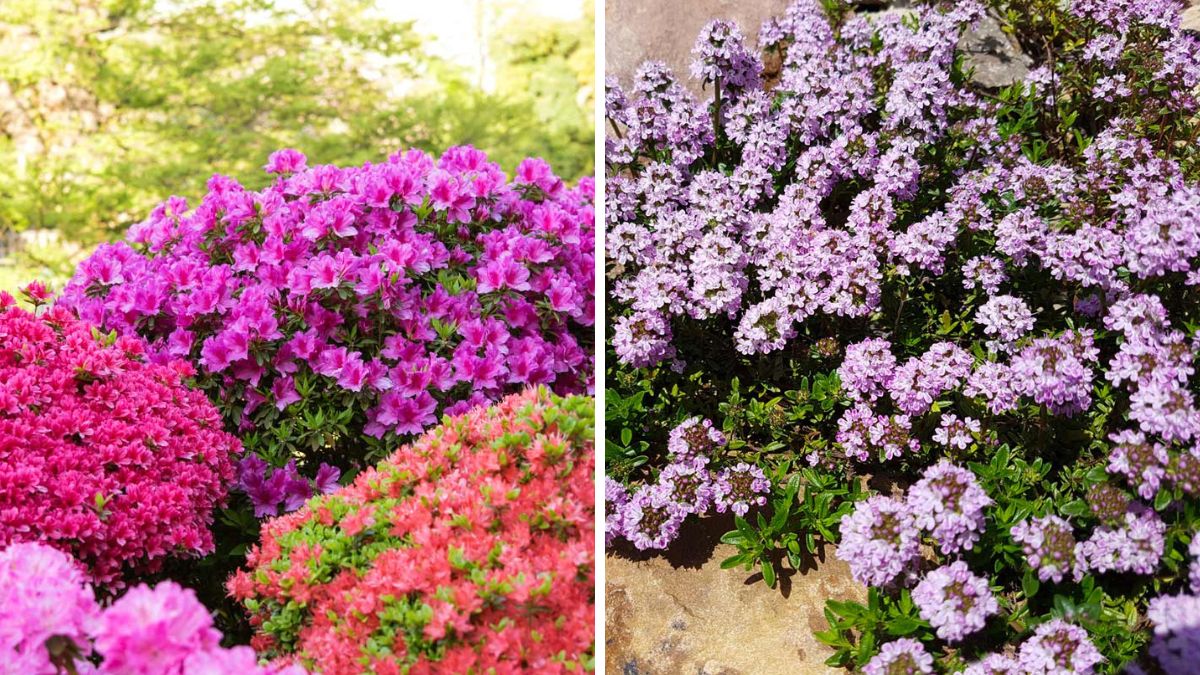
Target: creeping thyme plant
(946,330)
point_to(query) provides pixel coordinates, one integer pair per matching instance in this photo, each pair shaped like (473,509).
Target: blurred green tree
(109,106)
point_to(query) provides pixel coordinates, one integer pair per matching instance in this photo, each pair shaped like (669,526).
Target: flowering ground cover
(228,364)
(863,302)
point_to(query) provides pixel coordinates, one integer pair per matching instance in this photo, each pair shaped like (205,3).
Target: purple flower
(615,499)
(1056,372)
(652,517)
(900,656)
(721,54)
(862,433)
(948,503)
(867,369)
(642,339)
(955,432)
(690,484)
(1176,643)
(694,437)
(994,664)
(986,272)
(285,161)
(1005,319)
(1136,546)
(879,540)
(954,601)
(1057,648)
(1143,463)
(740,487)
(1049,546)
(326,480)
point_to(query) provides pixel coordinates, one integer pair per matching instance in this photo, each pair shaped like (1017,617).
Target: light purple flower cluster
(615,499)
(879,540)
(1135,546)
(739,487)
(994,664)
(1056,372)
(948,503)
(721,56)
(1056,648)
(919,381)
(651,516)
(389,292)
(1049,546)
(1142,463)
(954,601)
(867,369)
(900,656)
(1005,319)
(695,436)
(706,232)
(269,488)
(956,432)
(1176,643)
(863,434)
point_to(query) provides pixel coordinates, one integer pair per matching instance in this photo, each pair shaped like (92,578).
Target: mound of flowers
(468,550)
(103,454)
(50,622)
(875,276)
(343,305)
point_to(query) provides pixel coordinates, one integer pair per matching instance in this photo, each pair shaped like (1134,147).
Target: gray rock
(1191,18)
(665,30)
(997,59)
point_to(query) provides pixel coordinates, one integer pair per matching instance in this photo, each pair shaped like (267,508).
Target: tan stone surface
(1191,17)
(681,613)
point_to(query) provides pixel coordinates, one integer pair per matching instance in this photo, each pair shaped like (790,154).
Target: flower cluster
(103,454)
(954,601)
(900,656)
(651,516)
(880,538)
(268,488)
(1176,643)
(50,622)
(1014,276)
(339,302)
(1049,546)
(1055,647)
(467,550)
(949,503)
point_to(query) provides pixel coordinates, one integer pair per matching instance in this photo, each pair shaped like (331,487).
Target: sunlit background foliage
(109,106)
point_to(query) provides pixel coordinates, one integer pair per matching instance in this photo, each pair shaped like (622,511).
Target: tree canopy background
(107,107)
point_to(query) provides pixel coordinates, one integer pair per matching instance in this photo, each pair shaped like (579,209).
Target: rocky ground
(680,612)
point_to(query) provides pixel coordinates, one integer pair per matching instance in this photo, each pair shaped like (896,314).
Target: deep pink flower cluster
(361,300)
(50,623)
(102,454)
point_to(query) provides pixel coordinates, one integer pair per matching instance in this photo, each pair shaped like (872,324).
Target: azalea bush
(339,311)
(50,622)
(952,327)
(104,454)
(467,550)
